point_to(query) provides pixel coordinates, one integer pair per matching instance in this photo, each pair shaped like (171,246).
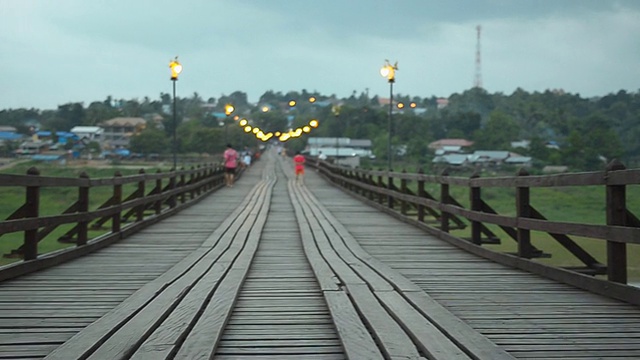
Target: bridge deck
(273,269)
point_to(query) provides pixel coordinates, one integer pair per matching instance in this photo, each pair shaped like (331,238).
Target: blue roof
(65,134)
(10,136)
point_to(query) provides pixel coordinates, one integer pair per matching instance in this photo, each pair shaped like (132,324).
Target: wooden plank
(428,337)
(204,337)
(171,327)
(394,341)
(90,338)
(356,339)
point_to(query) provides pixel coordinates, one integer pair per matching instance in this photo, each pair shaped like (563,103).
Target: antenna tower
(478,79)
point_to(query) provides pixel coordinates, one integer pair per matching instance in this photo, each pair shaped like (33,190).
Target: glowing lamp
(176,68)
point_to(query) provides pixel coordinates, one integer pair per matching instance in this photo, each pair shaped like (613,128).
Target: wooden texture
(527,315)
(278,269)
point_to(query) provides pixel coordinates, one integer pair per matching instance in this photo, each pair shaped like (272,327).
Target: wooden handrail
(622,225)
(27,218)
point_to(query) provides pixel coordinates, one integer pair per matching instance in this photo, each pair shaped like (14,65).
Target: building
(442,143)
(7,129)
(118,131)
(339,147)
(452,159)
(483,158)
(31,147)
(88,133)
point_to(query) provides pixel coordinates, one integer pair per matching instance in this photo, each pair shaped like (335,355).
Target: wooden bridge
(277,269)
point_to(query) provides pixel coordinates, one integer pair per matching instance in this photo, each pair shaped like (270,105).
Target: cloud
(72,50)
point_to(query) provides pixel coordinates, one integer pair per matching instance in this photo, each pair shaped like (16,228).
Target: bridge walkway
(273,269)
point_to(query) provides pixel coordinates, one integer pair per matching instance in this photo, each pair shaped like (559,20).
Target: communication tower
(478,79)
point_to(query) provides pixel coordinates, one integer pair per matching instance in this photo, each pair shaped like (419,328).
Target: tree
(97,112)
(150,141)
(498,132)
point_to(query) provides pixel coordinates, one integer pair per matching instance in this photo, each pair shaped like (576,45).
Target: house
(521,144)
(449,149)
(339,147)
(524,161)
(118,131)
(9,136)
(488,157)
(7,129)
(88,133)
(439,144)
(452,159)
(442,103)
(32,147)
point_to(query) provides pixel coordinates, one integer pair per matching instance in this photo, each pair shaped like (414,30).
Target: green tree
(498,133)
(149,141)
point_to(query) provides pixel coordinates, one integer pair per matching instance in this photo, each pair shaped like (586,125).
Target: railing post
(83,207)
(444,199)
(209,174)
(117,199)
(141,192)
(404,205)
(192,180)
(353,176)
(357,187)
(475,199)
(172,187)
(616,216)
(370,181)
(198,178)
(158,191)
(32,207)
(183,196)
(381,186)
(523,210)
(421,194)
(390,199)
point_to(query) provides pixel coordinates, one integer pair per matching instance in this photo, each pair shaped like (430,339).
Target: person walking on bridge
(230,165)
(298,162)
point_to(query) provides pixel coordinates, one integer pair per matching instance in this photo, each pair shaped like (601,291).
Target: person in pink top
(298,162)
(230,165)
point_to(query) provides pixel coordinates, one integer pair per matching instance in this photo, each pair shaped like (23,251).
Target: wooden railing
(153,197)
(405,196)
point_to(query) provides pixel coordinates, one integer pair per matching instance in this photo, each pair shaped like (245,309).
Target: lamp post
(336,112)
(176,69)
(389,71)
(228,110)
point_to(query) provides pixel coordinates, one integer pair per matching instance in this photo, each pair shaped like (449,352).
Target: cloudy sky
(59,51)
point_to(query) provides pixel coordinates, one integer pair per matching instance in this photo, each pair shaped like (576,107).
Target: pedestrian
(230,165)
(246,158)
(298,161)
(321,157)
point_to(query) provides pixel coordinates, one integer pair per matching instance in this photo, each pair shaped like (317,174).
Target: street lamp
(228,110)
(176,69)
(336,112)
(389,71)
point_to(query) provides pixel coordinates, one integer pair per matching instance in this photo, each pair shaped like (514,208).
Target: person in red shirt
(298,162)
(230,165)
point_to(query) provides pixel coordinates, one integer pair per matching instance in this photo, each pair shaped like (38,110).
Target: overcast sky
(59,51)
